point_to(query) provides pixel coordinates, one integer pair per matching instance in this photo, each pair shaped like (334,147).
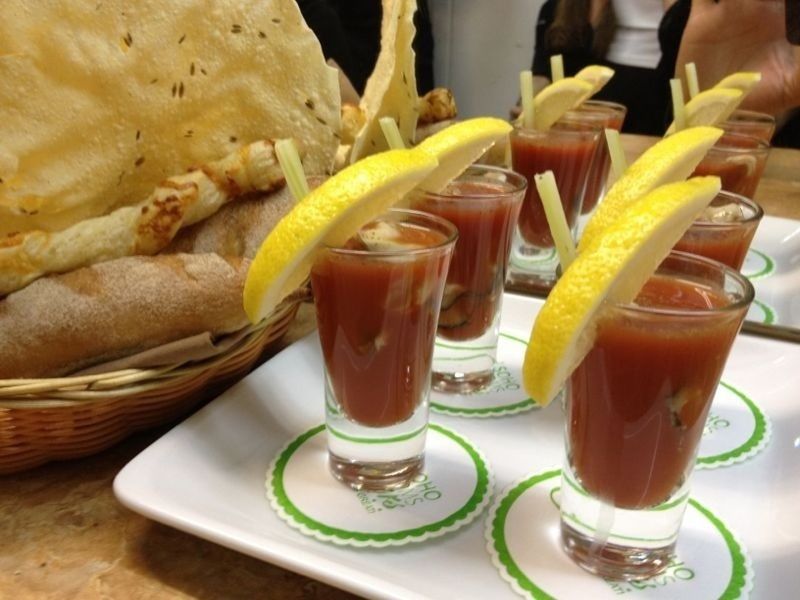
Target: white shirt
(635,41)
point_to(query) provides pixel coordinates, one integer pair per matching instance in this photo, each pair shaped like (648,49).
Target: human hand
(725,36)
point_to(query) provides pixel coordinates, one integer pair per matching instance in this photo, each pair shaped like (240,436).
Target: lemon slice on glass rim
(550,104)
(597,75)
(329,214)
(337,209)
(741,80)
(557,98)
(711,107)
(613,268)
(458,146)
(670,159)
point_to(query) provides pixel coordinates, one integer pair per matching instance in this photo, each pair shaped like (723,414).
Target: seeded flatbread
(391,90)
(101,101)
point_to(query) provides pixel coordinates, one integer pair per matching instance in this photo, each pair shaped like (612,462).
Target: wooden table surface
(64,535)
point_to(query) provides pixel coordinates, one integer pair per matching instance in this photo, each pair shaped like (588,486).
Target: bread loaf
(62,323)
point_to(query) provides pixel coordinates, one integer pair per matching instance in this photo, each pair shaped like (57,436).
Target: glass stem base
(375,476)
(612,561)
(461,383)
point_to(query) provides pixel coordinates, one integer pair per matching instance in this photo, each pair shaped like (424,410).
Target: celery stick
(678,108)
(292,167)
(391,133)
(556,67)
(556,219)
(691,79)
(618,161)
(526,94)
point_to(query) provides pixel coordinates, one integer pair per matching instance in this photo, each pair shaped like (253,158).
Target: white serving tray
(207,475)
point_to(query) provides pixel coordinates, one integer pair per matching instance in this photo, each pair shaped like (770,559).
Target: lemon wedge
(330,214)
(710,107)
(670,159)
(613,268)
(553,101)
(597,75)
(741,80)
(458,146)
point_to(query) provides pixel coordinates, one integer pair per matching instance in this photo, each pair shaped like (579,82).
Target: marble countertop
(64,535)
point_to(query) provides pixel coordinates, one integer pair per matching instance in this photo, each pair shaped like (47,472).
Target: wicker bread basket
(69,417)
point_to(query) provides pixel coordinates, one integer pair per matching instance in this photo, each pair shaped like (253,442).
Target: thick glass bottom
(612,561)
(461,383)
(531,270)
(618,543)
(375,476)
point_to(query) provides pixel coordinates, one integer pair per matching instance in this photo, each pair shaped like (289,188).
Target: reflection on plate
(206,476)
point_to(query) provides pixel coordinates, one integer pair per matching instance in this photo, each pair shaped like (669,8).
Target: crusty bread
(143,229)
(62,323)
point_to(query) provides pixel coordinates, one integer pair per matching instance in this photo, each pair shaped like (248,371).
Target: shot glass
(602,115)
(636,409)
(377,300)
(725,230)
(483,203)
(568,150)
(738,160)
(751,122)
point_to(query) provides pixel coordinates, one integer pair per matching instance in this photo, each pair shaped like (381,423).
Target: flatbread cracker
(101,101)
(391,90)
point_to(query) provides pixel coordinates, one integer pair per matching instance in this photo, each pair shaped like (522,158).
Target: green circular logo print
(454,489)
(503,397)
(524,543)
(757,265)
(735,431)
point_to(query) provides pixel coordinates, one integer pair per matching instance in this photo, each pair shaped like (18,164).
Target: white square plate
(207,475)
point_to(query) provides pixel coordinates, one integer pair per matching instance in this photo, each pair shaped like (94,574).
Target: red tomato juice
(477,271)
(726,244)
(640,398)
(569,159)
(739,170)
(376,316)
(598,174)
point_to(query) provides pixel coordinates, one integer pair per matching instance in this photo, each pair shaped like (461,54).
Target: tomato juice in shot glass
(724,230)
(377,301)
(483,204)
(751,122)
(611,115)
(568,149)
(738,160)
(636,408)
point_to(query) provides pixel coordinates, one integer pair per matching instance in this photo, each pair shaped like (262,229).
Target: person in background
(622,34)
(647,50)
(724,36)
(349,32)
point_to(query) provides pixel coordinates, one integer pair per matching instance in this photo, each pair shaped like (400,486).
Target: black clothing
(645,92)
(350,33)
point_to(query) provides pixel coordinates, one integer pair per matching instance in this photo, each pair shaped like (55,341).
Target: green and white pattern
(736,429)
(761,312)
(757,265)
(454,489)
(504,397)
(523,539)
